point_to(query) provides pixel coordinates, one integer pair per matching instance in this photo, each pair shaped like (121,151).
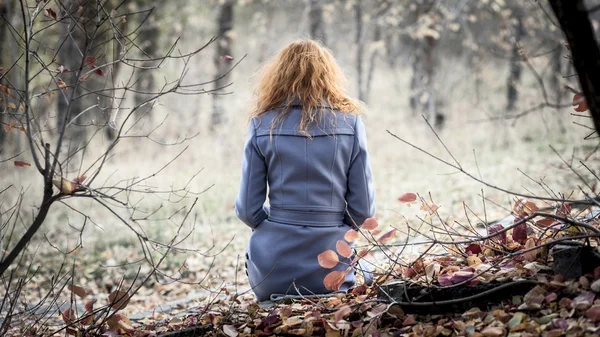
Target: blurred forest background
(491,76)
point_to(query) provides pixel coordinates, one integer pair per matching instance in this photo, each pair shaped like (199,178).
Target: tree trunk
(315,17)
(224,45)
(147,42)
(3,63)
(575,23)
(514,75)
(360,47)
(372,63)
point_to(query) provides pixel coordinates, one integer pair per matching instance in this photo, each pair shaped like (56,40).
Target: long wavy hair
(303,73)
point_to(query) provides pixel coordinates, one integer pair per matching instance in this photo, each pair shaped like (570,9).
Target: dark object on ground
(419,299)
(572,259)
(196,331)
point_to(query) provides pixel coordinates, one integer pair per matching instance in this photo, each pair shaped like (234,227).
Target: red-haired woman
(307,143)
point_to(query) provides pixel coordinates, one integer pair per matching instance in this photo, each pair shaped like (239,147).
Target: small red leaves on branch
(68,315)
(89,305)
(118,299)
(79,179)
(524,208)
(226,57)
(407,197)
(61,84)
(563,210)
(545,222)
(343,248)
(19,163)
(580,103)
(9,127)
(370,224)
(387,236)
(351,235)
(328,259)
(77,290)
(91,62)
(429,208)
(335,279)
(473,249)
(49,12)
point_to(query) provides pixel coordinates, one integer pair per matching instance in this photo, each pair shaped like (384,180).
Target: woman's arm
(253,185)
(360,195)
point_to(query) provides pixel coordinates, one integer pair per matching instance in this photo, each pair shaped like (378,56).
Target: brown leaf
(407,197)
(342,312)
(328,259)
(493,331)
(351,235)
(98,71)
(473,249)
(68,315)
(5,90)
(19,163)
(545,222)
(90,60)
(580,103)
(64,186)
(409,320)
(429,208)
(593,313)
(11,106)
(387,236)
(519,233)
(89,305)
(49,12)
(118,299)
(343,248)
(120,323)
(77,290)
(61,84)
(473,260)
(524,208)
(335,279)
(370,224)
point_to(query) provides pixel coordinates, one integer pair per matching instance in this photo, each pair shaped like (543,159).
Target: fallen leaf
(328,259)
(118,299)
(19,163)
(343,248)
(370,224)
(342,312)
(409,320)
(407,197)
(493,331)
(501,237)
(230,330)
(593,313)
(584,300)
(120,322)
(77,290)
(473,260)
(519,233)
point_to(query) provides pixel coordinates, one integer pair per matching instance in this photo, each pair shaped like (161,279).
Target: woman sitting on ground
(307,143)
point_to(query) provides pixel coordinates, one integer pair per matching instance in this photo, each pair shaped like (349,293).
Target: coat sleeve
(249,203)
(360,195)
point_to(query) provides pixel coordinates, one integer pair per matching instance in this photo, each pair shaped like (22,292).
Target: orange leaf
(118,299)
(351,235)
(77,290)
(19,163)
(328,259)
(387,236)
(429,208)
(407,197)
(335,279)
(580,103)
(61,84)
(343,248)
(370,224)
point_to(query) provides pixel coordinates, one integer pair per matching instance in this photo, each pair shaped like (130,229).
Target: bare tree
(514,75)
(79,73)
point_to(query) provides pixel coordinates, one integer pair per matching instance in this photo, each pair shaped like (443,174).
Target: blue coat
(318,187)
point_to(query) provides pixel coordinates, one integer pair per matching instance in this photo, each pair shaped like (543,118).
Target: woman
(308,145)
